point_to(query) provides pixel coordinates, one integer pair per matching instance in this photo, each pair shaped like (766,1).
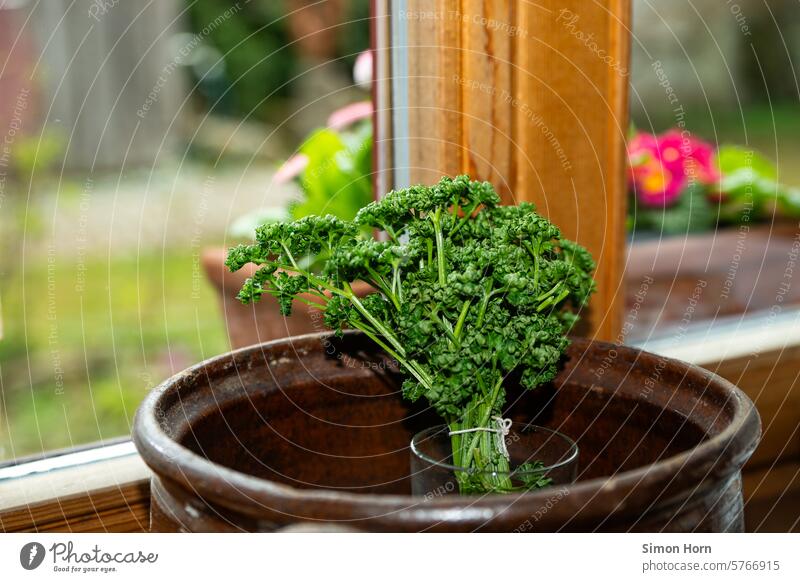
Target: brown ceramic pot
(314,430)
(263,321)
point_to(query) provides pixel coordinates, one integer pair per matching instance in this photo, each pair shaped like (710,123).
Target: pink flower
(349,114)
(693,157)
(654,182)
(662,167)
(291,168)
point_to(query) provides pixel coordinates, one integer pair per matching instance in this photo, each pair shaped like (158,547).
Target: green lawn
(74,364)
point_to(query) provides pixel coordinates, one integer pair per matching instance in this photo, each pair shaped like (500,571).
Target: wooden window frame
(533,97)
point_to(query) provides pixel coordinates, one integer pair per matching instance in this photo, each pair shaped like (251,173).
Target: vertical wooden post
(531,96)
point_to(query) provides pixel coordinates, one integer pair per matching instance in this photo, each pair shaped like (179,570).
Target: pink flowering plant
(679,183)
(332,167)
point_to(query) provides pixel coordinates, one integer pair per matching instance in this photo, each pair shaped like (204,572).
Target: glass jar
(538,457)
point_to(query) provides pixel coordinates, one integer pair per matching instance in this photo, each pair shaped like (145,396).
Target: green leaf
(735,158)
(337,179)
(693,212)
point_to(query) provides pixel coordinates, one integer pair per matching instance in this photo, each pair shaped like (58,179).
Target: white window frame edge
(726,339)
(70,474)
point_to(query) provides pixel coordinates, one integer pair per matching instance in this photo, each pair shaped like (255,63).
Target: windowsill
(710,342)
(104,488)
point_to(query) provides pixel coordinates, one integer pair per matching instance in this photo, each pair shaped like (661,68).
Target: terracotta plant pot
(728,273)
(259,322)
(313,429)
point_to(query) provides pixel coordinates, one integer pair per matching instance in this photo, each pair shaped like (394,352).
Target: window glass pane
(714,203)
(138,141)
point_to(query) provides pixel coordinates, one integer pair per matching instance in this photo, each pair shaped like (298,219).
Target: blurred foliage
(259,53)
(734,159)
(338,178)
(750,189)
(37,153)
(753,187)
(693,212)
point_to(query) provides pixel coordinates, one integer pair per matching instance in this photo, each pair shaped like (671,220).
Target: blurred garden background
(134,134)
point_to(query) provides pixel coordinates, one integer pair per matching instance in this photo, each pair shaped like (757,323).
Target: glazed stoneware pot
(312,431)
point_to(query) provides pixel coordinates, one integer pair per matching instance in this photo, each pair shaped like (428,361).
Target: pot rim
(237,491)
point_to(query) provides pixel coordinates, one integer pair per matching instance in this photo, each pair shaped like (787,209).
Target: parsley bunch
(467,291)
